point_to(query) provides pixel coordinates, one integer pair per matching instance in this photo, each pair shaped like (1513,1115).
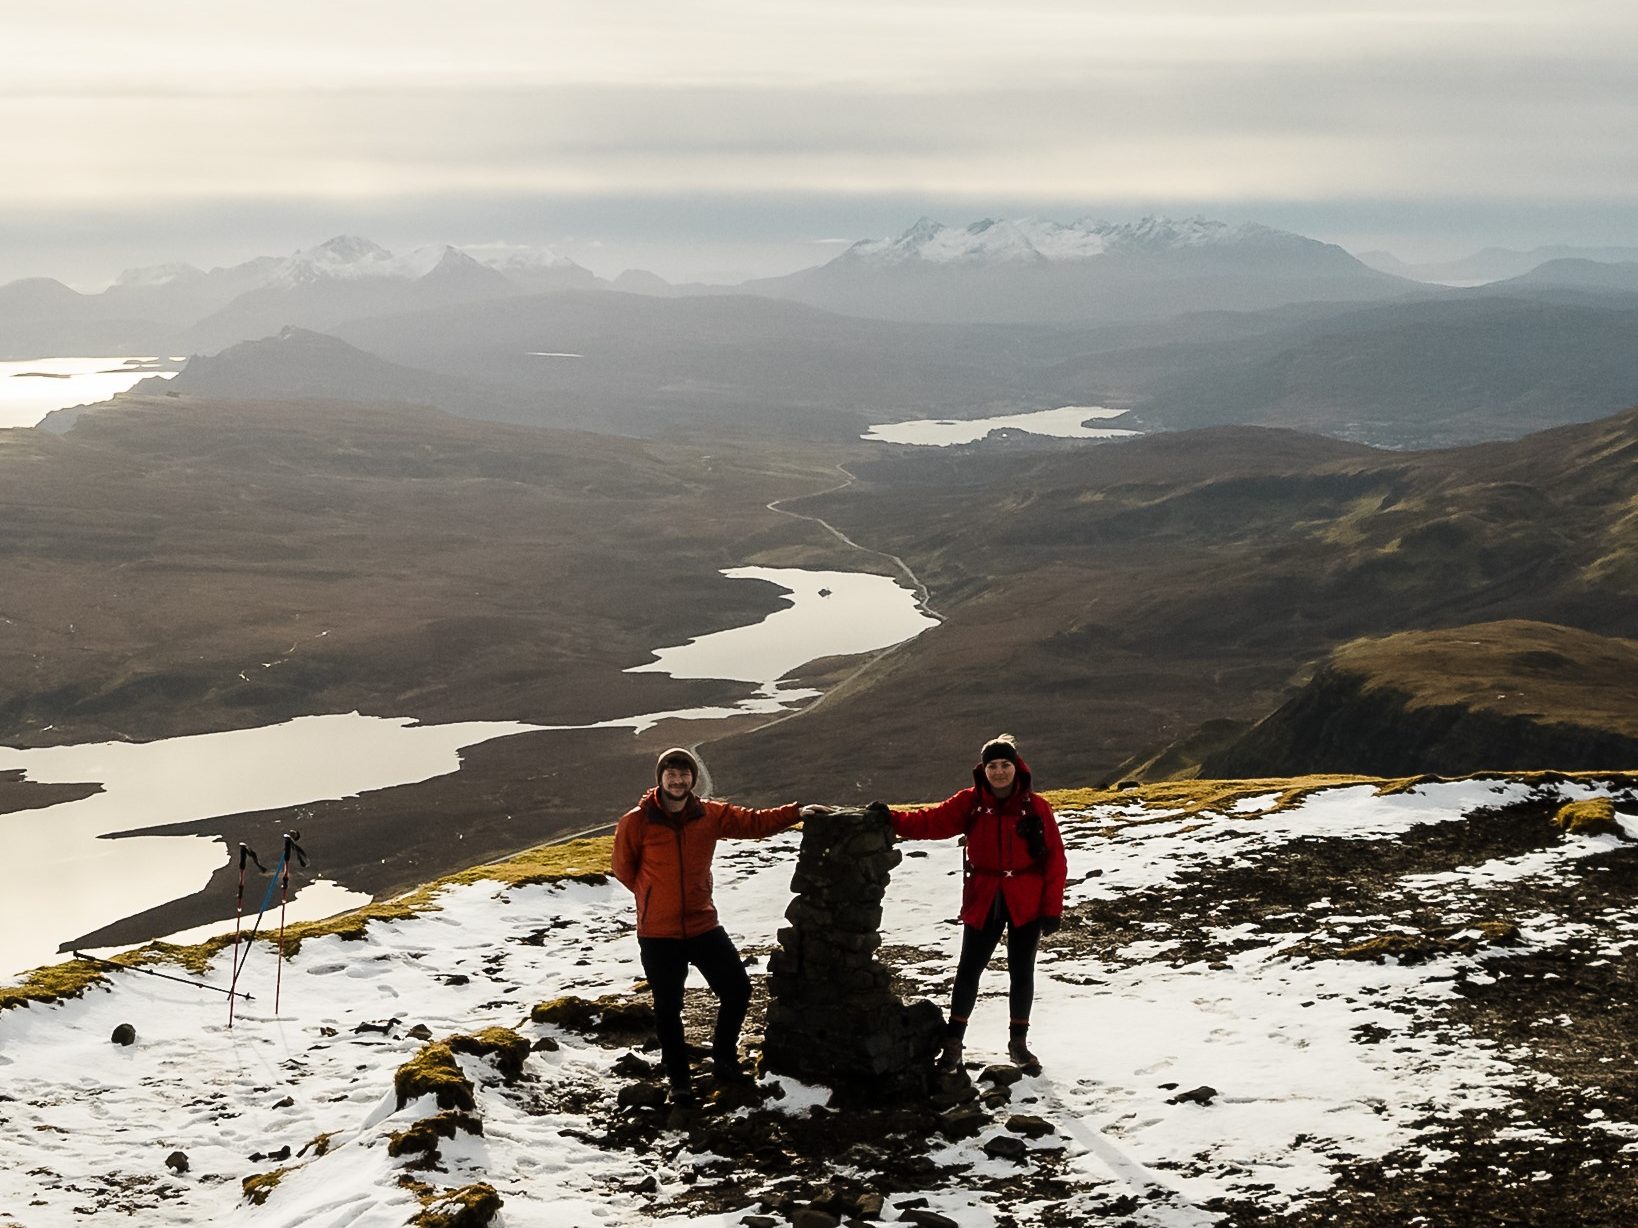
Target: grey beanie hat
(675,757)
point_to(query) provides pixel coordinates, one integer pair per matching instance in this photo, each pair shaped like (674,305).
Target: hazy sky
(733,137)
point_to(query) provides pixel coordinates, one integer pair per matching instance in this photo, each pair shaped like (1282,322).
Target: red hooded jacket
(998,859)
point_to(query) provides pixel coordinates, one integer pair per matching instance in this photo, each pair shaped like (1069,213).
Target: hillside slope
(631,364)
(1457,371)
(1108,600)
(1449,702)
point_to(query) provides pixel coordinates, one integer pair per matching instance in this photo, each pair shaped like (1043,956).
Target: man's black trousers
(665,963)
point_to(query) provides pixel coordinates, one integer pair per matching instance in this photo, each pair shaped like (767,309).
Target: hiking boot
(730,1070)
(682,1093)
(949,1061)
(1019,1055)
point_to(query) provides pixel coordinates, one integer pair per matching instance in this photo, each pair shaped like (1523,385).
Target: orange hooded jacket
(664,859)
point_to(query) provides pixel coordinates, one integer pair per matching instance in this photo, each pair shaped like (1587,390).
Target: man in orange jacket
(662,853)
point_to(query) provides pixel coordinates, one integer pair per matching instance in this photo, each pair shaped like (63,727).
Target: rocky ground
(1271,1004)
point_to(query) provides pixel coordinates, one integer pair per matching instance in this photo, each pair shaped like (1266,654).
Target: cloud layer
(193,105)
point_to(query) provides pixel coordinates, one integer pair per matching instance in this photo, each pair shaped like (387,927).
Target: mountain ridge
(1453,701)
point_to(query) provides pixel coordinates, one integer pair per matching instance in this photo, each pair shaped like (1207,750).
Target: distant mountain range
(1024,270)
(631,365)
(1183,323)
(1467,367)
(1493,263)
(1579,274)
(1084,273)
(179,308)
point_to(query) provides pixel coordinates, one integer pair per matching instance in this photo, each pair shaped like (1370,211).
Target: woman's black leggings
(978,943)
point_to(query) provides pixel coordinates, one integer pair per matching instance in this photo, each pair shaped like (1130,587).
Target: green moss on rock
(509,1049)
(471,1206)
(423,1136)
(434,1071)
(1593,817)
(607,1014)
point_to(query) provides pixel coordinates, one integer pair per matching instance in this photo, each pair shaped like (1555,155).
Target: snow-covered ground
(1314,1061)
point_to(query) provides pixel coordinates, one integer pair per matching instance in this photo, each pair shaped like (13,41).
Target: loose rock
(1005,1147)
(1201,1095)
(1002,1075)
(1029,1126)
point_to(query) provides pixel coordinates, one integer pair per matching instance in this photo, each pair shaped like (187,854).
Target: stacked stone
(832,1017)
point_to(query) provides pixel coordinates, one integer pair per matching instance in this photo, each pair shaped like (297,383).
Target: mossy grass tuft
(319,1145)
(423,1136)
(258,1187)
(1593,817)
(611,1013)
(1172,798)
(434,1072)
(1190,797)
(471,1206)
(55,982)
(508,1048)
(1414,948)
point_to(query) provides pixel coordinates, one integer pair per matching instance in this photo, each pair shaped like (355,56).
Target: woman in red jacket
(1014,871)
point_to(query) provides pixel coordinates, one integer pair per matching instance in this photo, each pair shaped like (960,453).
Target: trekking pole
(243,957)
(246,853)
(290,845)
(164,976)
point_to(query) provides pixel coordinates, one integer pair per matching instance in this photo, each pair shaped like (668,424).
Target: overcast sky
(738,137)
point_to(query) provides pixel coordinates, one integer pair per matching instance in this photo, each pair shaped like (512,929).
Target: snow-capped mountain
(179,306)
(1035,240)
(540,269)
(345,258)
(345,278)
(1088,271)
(158,275)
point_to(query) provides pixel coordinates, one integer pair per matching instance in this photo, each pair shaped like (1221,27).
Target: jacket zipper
(682,886)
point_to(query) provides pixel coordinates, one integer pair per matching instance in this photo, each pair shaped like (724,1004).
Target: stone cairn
(833,1018)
